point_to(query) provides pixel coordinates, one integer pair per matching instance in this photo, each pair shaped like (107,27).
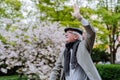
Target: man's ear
(76,37)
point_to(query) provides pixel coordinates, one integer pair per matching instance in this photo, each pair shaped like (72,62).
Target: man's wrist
(80,18)
(83,21)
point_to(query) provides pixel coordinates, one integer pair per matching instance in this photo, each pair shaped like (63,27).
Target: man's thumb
(72,14)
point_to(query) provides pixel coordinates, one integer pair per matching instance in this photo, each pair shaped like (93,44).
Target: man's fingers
(76,8)
(72,13)
(75,13)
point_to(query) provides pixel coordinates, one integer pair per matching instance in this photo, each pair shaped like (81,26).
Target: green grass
(12,77)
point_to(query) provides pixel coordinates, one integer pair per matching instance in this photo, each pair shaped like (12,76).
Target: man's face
(70,36)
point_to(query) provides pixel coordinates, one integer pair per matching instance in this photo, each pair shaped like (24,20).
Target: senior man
(75,62)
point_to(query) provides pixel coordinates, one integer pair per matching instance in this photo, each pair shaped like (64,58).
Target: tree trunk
(113,57)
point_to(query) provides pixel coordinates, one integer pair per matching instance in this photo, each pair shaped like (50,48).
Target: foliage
(110,18)
(10,8)
(109,72)
(56,11)
(100,55)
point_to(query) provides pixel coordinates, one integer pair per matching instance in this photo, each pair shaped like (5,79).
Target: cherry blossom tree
(34,48)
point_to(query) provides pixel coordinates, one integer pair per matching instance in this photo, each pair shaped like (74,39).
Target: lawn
(12,77)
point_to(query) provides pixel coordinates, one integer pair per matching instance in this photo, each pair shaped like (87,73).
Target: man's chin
(67,41)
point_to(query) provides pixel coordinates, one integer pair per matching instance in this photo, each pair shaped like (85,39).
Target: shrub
(109,72)
(99,54)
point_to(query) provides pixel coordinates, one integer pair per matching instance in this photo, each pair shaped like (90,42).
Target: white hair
(79,35)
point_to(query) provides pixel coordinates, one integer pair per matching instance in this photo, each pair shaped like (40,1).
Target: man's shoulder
(82,42)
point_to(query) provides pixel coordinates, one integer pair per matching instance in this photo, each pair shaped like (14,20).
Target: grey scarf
(67,56)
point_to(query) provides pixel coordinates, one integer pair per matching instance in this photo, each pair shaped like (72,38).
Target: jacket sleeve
(56,71)
(90,34)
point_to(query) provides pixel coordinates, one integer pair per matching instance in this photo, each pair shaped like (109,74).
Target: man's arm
(56,71)
(90,36)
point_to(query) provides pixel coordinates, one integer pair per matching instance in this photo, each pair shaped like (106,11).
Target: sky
(82,3)
(92,4)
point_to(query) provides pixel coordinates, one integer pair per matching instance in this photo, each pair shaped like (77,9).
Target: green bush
(99,54)
(109,72)
(13,77)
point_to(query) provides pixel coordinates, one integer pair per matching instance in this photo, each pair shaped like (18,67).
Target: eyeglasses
(72,32)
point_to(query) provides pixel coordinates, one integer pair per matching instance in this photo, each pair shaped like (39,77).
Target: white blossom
(3,70)
(33,48)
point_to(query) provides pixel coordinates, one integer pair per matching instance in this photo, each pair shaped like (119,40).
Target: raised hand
(76,12)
